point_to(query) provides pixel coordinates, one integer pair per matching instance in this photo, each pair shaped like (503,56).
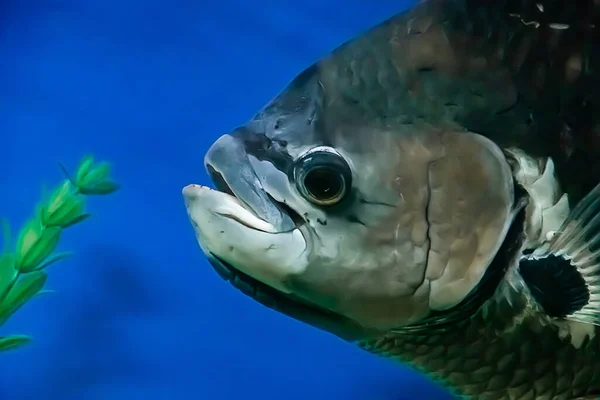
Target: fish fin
(563,274)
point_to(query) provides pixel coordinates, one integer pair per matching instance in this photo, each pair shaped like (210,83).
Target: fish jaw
(225,228)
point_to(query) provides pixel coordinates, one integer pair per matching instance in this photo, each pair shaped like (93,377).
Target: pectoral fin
(563,275)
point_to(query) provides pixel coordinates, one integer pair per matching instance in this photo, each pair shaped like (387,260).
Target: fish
(429,191)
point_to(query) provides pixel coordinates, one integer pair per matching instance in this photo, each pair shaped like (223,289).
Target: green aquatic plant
(23,266)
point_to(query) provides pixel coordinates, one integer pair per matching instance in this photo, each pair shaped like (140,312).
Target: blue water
(148,85)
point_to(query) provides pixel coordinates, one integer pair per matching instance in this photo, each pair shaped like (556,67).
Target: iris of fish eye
(323,178)
(324,184)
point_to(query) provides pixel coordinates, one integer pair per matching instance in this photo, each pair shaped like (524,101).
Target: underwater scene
(328,199)
(135,311)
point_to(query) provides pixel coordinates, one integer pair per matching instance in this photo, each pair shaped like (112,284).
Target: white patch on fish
(548,206)
(578,331)
(226,228)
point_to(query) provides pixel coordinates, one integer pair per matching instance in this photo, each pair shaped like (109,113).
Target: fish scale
(502,353)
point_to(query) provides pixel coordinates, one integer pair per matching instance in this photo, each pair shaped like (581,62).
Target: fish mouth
(231,171)
(268,295)
(287,212)
(248,285)
(252,240)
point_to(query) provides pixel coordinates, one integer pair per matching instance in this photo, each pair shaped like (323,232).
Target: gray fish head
(334,210)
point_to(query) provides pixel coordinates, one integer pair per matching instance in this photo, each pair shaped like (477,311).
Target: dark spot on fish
(555,284)
(306,218)
(322,222)
(261,146)
(354,219)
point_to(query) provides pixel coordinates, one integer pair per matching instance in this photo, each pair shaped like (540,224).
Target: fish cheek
(375,282)
(371,297)
(370,267)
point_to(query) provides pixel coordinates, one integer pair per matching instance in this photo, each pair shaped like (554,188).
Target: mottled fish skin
(521,73)
(524,79)
(501,68)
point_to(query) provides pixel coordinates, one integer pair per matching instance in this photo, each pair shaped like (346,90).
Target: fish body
(429,191)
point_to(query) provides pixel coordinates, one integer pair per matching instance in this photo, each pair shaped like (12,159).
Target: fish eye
(323,177)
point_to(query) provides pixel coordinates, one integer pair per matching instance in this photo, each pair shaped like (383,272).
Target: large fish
(429,191)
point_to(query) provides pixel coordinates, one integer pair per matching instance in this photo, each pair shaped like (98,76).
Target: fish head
(339,205)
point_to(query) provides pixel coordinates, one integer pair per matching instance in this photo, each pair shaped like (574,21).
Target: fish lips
(228,165)
(240,223)
(226,228)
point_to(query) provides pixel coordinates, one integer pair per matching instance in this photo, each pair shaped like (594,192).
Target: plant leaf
(101,188)
(13,342)
(23,290)
(8,274)
(52,259)
(44,291)
(42,248)
(84,168)
(76,220)
(28,237)
(58,197)
(98,173)
(70,209)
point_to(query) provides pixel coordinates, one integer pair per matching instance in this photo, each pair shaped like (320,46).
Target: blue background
(148,85)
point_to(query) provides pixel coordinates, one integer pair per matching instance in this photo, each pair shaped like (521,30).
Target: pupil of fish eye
(323,183)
